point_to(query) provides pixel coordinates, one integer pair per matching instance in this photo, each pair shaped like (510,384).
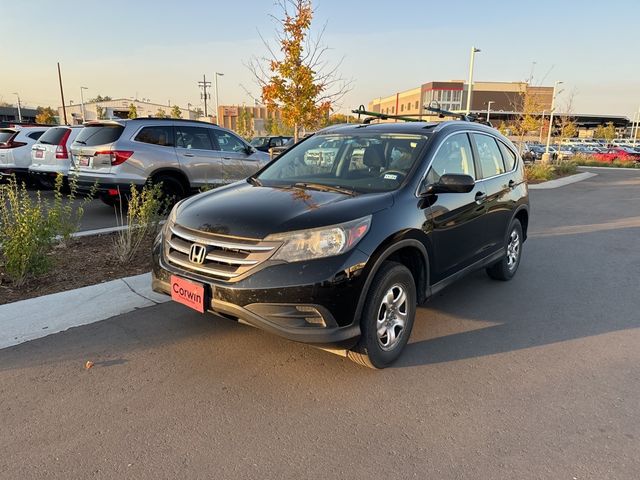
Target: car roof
(407,127)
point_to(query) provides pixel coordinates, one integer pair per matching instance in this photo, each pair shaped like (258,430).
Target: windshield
(361,163)
(259,141)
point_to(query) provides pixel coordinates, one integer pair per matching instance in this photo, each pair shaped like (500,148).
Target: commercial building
(452,96)
(9,115)
(117,108)
(259,116)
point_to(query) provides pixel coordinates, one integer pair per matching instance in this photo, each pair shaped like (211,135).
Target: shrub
(564,167)
(144,210)
(26,232)
(30,226)
(539,172)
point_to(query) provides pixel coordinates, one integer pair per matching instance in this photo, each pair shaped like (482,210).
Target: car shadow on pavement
(564,290)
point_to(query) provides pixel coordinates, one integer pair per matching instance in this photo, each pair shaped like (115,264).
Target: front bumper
(278,297)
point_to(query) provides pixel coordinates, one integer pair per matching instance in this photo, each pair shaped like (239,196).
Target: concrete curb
(611,169)
(41,316)
(561,182)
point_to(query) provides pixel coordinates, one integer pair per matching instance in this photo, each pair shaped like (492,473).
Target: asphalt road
(537,378)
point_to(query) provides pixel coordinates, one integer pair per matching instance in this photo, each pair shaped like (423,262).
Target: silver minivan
(183,155)
(50,155)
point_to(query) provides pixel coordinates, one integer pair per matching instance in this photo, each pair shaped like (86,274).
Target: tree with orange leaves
(297,80)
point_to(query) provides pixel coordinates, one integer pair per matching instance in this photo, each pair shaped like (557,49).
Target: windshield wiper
(81,142)
(254,181)
(325,188)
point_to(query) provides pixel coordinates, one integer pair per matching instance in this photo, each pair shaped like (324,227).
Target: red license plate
(39,154)
(188,293)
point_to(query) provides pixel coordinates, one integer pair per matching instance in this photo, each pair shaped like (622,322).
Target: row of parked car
(183,155)
(532,152)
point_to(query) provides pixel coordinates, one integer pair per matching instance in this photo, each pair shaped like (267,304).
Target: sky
(160,49)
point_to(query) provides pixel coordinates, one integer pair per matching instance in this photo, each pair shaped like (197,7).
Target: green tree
(295,81)
(569,129)
(133,111)
(46,115)
(609,132)
(99,98)
(176,112)
(161,113)
(244,127)
(101,112)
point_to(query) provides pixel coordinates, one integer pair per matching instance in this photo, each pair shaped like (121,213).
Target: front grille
(226,257)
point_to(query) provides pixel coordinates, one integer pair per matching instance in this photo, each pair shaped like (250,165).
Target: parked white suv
(182,155)
(50,155)
(15,149)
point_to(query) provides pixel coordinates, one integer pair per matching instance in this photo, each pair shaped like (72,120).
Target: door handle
(227,158)
(512,184)
(188,154)
(480,197)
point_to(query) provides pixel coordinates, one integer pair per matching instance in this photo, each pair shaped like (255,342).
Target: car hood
(246,210)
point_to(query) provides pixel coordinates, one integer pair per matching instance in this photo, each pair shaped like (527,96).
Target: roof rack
(411,117)
(383,116)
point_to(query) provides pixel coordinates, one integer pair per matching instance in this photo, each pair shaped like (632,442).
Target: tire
(172,189)
(506,268)
(376,350)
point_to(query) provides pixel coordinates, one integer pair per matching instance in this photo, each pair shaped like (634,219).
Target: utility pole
(542,124)
(474,50)
(64,109)
(204,95)
(19,110)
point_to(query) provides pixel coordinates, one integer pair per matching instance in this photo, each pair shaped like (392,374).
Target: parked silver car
(15,148)
(183,155)
(50,155)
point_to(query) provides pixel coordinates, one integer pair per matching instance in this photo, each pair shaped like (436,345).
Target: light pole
(553,108)
(474,50)
(82,102)
(489,109)
(217,98)
(542,124)
(19,110)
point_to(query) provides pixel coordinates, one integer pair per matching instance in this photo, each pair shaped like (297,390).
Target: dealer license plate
(188,293)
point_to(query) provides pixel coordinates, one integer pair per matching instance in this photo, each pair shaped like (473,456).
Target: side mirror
(249,150)
(451,183)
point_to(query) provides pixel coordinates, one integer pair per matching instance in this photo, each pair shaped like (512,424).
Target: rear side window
(35,135)
(92,135)
(6,135)
(509,156)
(159,135)
(193,138)
(53,136)
(489,155)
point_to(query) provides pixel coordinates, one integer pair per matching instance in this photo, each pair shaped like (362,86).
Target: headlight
(320,242)
(171,219)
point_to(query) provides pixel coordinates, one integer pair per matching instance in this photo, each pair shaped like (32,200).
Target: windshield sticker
(390,176)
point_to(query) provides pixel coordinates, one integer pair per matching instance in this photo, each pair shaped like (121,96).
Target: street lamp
(82,102)
(553,109)
(474,50)
(489,109)
(19,110)
(217,99)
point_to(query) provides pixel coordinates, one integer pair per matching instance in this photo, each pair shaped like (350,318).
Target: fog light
(314,317)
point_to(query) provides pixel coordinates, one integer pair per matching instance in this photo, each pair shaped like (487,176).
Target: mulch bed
(81,262)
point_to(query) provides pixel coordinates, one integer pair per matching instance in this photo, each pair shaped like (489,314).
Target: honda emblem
(197,254)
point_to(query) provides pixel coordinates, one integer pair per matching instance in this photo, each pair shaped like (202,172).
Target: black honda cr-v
(336,242)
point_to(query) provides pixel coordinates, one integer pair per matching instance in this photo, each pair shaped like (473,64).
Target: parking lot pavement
(534,378)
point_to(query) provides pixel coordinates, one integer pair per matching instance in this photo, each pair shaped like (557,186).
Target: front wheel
(387,317)
(506,268)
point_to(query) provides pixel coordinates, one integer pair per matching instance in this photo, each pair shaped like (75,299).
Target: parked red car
(618,153)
